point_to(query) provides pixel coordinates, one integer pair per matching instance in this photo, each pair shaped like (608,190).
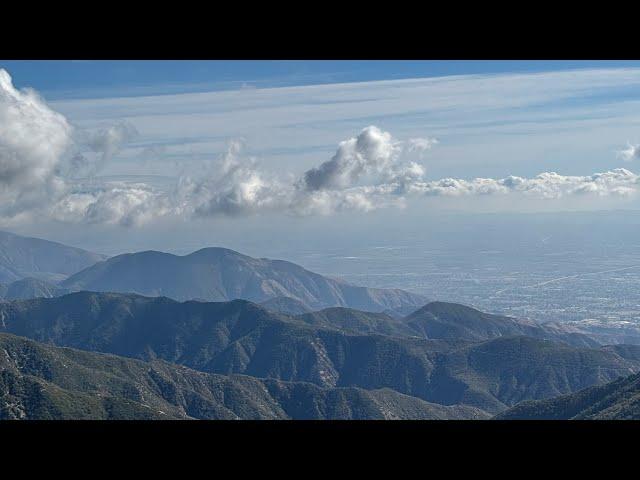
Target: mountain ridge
(39,381)
(221,274)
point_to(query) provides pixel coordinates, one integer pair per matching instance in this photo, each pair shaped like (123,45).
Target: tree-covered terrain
(39,381)
(331,349)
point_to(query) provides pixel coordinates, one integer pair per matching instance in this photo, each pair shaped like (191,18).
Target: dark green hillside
(43,382)
(239,337)
(617,400)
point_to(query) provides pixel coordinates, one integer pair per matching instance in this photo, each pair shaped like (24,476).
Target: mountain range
(44,269)
(240,337)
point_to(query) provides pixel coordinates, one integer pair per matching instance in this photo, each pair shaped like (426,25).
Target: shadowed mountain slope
(617,400)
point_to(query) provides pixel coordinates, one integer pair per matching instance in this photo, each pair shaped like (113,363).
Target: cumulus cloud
(371,152)
(368,172)
(32,139)
(37,148)
(232,186)
(113,203)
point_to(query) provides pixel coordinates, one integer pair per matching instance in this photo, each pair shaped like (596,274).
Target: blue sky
(82,79)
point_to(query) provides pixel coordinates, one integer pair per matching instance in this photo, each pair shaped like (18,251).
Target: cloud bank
(48,168)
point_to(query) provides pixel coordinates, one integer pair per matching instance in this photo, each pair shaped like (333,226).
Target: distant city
(539,270)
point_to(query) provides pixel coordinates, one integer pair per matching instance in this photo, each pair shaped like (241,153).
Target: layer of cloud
(370,172)
(114,203)
(548,185)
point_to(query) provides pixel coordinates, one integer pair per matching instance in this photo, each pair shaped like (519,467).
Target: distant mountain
(239,337)
(30,288)
(617,400)
(39,381)
(219,274)
(22,257)
(286,305)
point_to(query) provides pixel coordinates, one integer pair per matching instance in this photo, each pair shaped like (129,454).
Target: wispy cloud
(632,152)
(485,123)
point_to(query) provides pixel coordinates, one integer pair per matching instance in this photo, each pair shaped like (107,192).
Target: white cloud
(232,186)
(36,144)
(32,140)
(371,152)
(112,203)
(632,152)
(547,185)
(338,185)
(421,145)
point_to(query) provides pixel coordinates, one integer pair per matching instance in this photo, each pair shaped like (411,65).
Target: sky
(124,154)
(104,78)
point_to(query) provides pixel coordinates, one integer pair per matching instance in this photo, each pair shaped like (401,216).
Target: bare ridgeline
(220,335)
